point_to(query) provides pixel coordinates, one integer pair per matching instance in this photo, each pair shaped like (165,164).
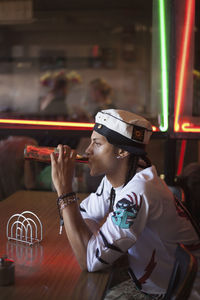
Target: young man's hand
(62,171)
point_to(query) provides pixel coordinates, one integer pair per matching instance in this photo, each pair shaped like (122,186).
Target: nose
(88,150)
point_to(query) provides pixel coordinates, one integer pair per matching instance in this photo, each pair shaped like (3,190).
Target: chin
(92,173)
(95,173)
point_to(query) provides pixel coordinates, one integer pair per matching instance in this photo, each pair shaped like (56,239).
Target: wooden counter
(46,270)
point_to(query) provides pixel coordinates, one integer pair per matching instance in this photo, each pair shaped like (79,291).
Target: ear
(122,153)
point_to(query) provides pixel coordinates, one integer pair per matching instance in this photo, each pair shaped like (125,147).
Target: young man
(139,212)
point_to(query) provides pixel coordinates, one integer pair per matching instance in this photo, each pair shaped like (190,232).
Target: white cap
(124,129)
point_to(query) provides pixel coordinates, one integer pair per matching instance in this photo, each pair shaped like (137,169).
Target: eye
(97,144)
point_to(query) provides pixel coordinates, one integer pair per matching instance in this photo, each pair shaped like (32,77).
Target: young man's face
(102,156)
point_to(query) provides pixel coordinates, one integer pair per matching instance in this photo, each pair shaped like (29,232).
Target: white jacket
(145,222)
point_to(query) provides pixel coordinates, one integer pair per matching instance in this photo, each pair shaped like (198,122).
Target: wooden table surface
(46,270)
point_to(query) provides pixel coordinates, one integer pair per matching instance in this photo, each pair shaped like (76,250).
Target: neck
(117,177)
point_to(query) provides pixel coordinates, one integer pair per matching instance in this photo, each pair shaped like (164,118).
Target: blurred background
(106,39)
(64,60)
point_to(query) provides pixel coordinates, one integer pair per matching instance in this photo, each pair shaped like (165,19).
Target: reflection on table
(47,270)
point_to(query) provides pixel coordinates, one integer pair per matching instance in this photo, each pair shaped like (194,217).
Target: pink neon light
(181,158)
(182,63)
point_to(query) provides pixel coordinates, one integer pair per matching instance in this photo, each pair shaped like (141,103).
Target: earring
(118,156)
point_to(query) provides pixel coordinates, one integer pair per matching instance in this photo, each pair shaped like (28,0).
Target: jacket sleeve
(118,233)
(96,205)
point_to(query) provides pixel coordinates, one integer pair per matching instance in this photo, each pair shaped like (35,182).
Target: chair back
(183,275)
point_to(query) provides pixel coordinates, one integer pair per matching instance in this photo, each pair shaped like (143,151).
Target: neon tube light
(68,125)
(188,127)
(182,63)
(74,125)
(154,128)
(164,73)
(181,157)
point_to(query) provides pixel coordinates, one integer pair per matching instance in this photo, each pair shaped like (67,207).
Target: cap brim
(119,140)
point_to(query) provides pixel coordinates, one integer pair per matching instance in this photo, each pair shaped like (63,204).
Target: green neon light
(164,73)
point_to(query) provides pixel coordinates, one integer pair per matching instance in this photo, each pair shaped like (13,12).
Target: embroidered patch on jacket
(126,211)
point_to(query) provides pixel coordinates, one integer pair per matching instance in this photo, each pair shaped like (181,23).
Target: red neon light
(154,128)
(181,158)
(70,125)
(182,63)
(67,125)
(189,127)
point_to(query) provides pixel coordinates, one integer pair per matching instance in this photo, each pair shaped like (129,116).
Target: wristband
(63,201)
(66,195)
(67,200)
